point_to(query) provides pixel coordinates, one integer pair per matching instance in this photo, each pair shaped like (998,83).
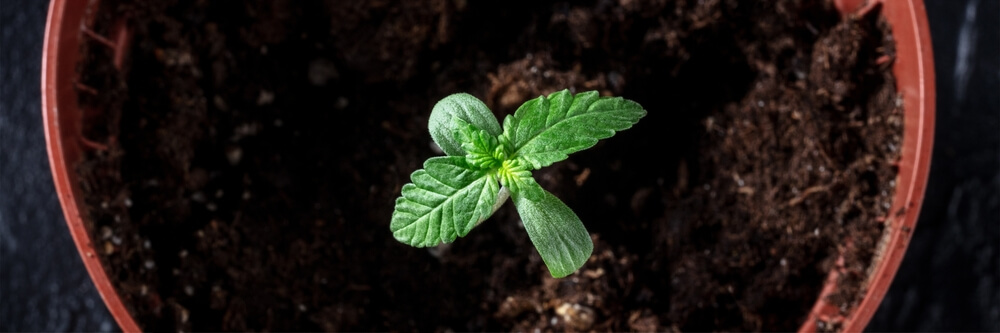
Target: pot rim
(61,118)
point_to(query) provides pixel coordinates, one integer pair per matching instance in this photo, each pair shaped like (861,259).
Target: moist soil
(255,150)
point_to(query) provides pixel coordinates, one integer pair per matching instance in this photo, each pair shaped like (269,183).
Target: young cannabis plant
(486,165)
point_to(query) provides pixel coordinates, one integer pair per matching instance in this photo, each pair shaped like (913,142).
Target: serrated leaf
(557,233)
(447,198)
(515,176)
(546,130)
(465,107)
(482,149)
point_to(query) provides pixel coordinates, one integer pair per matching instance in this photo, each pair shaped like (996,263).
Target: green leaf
(465,107)
(515,176)
(447,198)
(546,130)
(558,234)
(482,149)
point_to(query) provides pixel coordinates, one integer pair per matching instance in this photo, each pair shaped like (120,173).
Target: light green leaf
(482,149)
(558,234)
(546,130)
(447,198)
(516,176)
(465,107)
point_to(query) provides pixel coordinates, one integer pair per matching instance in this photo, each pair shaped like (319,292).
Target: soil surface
(259,149)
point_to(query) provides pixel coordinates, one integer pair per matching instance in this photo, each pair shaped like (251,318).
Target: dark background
(949,280)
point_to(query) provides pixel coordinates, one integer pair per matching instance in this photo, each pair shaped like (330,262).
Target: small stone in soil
(105,232)
(594,274)
(576,316)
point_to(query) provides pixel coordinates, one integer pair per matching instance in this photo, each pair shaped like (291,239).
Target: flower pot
(914,71)
(68,28)
(62,116)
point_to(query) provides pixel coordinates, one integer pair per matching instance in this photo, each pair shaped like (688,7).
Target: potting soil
(259,148)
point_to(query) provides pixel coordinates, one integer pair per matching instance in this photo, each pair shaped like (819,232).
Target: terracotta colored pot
(914,71)
(67,28)
(62,118)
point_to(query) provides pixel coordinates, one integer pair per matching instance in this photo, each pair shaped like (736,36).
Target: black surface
(949,280)
(43,284)
(950,277)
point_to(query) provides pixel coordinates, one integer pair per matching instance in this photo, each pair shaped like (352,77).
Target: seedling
(486,164)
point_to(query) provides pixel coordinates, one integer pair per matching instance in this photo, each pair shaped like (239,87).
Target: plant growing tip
(486,164)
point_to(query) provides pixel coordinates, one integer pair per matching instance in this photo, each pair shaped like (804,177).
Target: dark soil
(260,147)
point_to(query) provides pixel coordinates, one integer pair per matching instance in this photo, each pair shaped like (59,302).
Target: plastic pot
(67,30)
(914,72)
